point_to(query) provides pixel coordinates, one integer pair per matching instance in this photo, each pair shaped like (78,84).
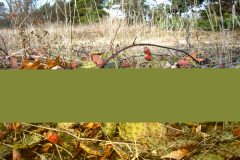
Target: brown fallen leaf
(107,152)
(26,64)
(97,60)
(17,126)
(13,63)
(16,155)
(183,63)
(91,125)
(236,132)
(193,54)
(198,129)
(179,154)
(53,62)
(46,147)
(74,64)
(199,132)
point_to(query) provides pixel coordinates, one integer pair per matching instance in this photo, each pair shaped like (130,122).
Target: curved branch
(147,44)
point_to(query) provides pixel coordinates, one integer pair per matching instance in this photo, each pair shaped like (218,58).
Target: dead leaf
(74,64)
(200,59)
(193,54)
(236,132)
(97,60)
(91,125)
(47,147)
(183,63)
(53,62)
(26,64)
(199,129)
(16,155)
(17,126)
(199,132)
(107,153)
(13,63)
(179,154)
(186,60)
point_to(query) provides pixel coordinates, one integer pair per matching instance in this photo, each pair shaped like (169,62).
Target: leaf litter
(109,141)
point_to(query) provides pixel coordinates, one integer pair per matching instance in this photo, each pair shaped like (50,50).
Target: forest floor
(107,46)
(59,47)
(113,141)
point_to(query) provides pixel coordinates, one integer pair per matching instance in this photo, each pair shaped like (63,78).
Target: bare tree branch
(147,44)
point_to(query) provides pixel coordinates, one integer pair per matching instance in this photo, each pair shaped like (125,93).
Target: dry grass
(70,41)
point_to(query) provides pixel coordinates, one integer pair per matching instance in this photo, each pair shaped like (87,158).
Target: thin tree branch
(147,44)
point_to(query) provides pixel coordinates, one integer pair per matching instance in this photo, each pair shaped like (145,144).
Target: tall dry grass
(72,40)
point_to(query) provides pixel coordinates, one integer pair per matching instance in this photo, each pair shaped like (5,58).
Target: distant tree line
(15,12)
(61,11)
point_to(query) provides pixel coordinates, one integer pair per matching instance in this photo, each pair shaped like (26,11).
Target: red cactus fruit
(147,51)
(148,57)
(53,137)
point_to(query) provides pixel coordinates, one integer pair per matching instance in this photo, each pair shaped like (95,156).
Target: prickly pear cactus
(140,131)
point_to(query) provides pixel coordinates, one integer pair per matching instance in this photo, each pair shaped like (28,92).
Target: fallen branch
(146,44)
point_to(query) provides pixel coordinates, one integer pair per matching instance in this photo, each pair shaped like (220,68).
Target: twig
(24,20)
(137,34)
(59,153)
(146,44)
(8,145)
(4,50)
(112,41)
(134,40)
(64,150)
(78,152)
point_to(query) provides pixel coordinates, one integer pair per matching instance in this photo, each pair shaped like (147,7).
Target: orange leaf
(179,154)
(107,153)
(53,62)
(30,65)
(91,125)
(236,132)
